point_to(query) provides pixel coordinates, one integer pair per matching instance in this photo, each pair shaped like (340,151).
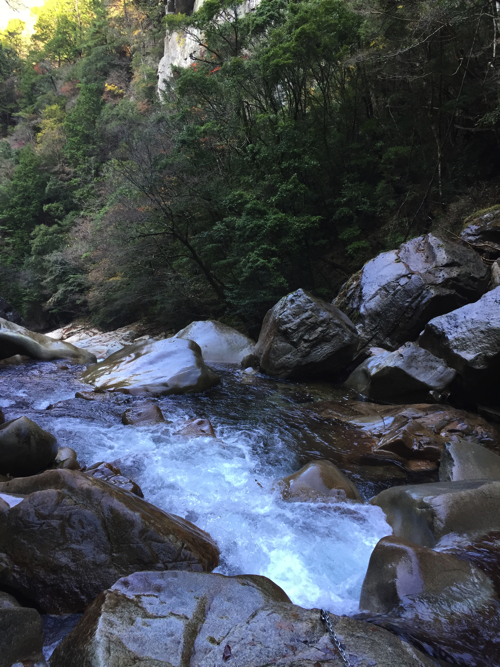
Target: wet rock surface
(467,461)
(395,294)
(318,480)
(148,413)
(468,339)
(185,618)
(172,366)
(25,448)
(66,458)
(17,340)
(303,336)
(73,536)
(198,428)
(21,638)
(409,373)
(219,343)
(109,473)
(435,599)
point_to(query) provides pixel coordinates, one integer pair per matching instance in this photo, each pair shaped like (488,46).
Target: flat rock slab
(73,536)
(462,460)
(395,294)
(15,339)
(176,619)
(408,373)
(303,336)
(171,366)
(219,343)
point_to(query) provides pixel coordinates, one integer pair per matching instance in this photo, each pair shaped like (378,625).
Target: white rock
(219,343)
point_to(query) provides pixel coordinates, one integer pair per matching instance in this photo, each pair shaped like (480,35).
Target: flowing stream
(317,552)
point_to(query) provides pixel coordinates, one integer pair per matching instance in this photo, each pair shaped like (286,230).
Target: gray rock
(176,619)
(25,448)
(303,336)
(462,460)
(426,513)
(172,366)
(468,339)
(8,313)
(436,599)
(409,373)
(219,343)
(318,480)
(73,536)
(395,294)
(21,638)
(16,340)
(483,232)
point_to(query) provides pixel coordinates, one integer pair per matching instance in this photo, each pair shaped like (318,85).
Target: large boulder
(435,599)
(175,619)
(73,536)
(303,336)
(219,343)
(468,339)
(171,366)
(409,373)
(25,448)
(316,481)
(395,294)
(21,638)
(8,313)
(427,513)
(464,460)
(15,339)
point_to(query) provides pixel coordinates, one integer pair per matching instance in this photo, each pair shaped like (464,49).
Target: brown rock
(25,448)
(16,360)
(66,459)
(73,536)
(198,428)
(316,481)
(148,413)
(112,475)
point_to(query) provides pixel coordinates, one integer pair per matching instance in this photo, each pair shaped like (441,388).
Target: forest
(301,139)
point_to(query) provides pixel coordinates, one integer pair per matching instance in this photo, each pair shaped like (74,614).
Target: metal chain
(326,620)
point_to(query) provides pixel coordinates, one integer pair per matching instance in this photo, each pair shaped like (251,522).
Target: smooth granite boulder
(176,619)
(21,638)
(409,373)
(171,366)
(462,460)
(394,295)
(25,448)
(317,481)
(73,536)
(435,599)
(16,340)
(468,339)
(303,336)
(426,513)
(219,343)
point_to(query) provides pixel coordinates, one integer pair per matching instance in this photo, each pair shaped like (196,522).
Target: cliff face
(179,45)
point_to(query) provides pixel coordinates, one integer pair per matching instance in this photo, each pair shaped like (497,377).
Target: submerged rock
(25,448)
(21,638)
(468,339)
(435,599)
(148,413)
(173,619)
(219,343)
(464,460)
(408,373)
(318,480)
(73,536)
(15,339)
(395,294)
(171,366)
(303,336)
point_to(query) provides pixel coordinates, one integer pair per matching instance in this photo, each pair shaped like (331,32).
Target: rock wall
(179,45)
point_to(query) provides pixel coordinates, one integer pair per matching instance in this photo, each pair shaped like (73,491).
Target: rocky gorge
(198,499)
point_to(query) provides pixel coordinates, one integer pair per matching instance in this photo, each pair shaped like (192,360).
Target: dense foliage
(302,138)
